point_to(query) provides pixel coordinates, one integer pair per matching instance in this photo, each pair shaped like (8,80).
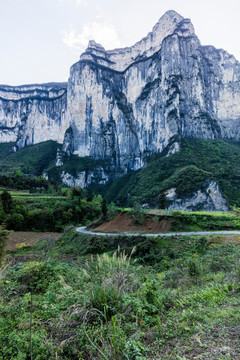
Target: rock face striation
(125,104)
(128,103)
(33,113)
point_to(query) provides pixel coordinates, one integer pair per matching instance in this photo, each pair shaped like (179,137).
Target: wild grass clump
(115,278)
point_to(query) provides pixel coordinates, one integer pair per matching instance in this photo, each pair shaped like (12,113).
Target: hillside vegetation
(84,297)
(24,211)
(34,160)
(187,171)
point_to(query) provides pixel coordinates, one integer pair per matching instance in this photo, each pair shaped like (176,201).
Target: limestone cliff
(210,199)
(32,113)
(125,104)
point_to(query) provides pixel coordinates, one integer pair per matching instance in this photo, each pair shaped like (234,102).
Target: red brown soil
(28,238)
(124,222)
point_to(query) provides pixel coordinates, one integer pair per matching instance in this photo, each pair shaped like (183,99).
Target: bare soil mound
(126,222)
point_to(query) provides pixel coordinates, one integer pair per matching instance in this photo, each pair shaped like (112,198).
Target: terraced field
(19,239)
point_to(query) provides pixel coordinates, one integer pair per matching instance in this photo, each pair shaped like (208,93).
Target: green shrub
(194,267)
(135,350)
(218,263)
(138,215)
(15,345)
(36,276)
(222,257)
(15,221)
(173,277)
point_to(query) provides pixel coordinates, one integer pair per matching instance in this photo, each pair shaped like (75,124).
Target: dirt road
(83,230)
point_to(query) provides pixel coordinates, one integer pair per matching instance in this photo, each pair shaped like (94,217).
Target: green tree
(104,209)
(76,192)
(19,173)
(162,200)
(6,199)
(15,221)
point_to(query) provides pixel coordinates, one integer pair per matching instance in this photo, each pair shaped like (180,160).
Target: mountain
(30,114)
(129,103)
(121,106)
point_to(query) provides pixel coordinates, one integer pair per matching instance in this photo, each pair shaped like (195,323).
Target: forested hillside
(187,171)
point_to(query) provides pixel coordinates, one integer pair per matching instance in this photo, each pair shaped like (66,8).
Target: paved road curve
(83,230)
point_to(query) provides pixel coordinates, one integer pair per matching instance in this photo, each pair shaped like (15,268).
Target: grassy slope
(179,300)
(187,170)
(33,159)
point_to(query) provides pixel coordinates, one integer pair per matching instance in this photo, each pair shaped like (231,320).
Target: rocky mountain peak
(119,59)
(167,20)
(92,45)
(172,22)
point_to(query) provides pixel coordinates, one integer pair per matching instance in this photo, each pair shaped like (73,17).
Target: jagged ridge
(126,104)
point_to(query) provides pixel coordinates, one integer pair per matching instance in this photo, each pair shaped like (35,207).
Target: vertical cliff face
(32,114)
(128,103)
(115,100)
(125,104)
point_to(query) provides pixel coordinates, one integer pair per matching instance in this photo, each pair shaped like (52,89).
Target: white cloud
(81,3)
(77,2)
(102,32)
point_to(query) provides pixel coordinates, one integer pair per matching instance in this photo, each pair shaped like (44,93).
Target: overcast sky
(41,39)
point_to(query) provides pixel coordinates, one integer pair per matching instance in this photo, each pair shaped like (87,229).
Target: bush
(194,268)
(15,222)
(134,350)
(173,277)
(7,201)
(138,215)
(36,276)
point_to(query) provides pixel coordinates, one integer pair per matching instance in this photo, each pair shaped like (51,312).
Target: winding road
(83,230)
